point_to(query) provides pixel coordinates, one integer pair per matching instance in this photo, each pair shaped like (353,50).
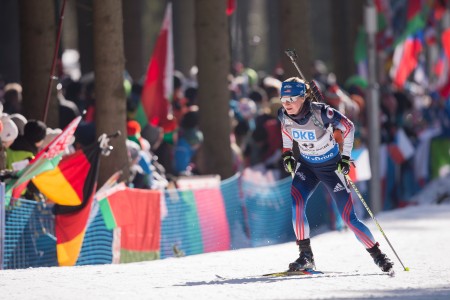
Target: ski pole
(373,218)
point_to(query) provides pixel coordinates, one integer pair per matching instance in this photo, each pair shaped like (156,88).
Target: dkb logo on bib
(304,135)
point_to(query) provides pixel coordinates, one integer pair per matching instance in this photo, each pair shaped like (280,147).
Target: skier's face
(293,107)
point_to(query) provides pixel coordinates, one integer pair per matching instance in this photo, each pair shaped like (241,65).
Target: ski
(313,273)
(293,273)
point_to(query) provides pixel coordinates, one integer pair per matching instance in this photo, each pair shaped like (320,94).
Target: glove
(289,161)
(343,165)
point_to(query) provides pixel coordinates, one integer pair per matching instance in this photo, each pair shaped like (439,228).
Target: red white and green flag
(136,212)
(115,208)
(416,16)
(47,159)
(158,86)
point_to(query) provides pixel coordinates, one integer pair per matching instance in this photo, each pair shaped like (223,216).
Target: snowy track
(420,235)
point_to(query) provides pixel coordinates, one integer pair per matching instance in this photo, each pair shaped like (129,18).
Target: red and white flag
(402,149)
(59,143)
(405,60)
(361,170)
(158,85)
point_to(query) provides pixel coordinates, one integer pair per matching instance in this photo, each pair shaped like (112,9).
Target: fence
(255,214)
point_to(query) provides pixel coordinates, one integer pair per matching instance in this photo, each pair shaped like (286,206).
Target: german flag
(70,230)
(73,181)
(71,185)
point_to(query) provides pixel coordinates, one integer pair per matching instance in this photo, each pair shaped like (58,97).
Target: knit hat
(133,128)
(10,131)
(20,121)
(35,131)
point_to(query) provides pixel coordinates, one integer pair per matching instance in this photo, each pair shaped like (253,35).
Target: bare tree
(295,34)
(184,35)
(37,44)
(70,28)
(84,21)
(109,63)
(133,36)
(213,60)
(10,45)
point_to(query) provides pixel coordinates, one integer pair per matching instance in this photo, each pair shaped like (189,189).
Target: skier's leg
(340,191)
(338,187)
(303,185)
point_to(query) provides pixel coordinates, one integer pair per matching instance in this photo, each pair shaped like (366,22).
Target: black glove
(289,161)
(343,165)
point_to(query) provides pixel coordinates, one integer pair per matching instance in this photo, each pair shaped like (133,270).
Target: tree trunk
(133,36)
(110,105)
(295,34)
(321,35)
(84,17)
(184,35)
(10,44)
(213,60)
(70,27)
(273,35)
(38,39)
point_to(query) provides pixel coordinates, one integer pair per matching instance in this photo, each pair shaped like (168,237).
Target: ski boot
(380,259)
(306,258)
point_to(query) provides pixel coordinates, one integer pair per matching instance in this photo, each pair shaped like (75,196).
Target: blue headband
(293,88)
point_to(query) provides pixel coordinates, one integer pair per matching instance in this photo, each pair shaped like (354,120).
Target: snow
(419,234)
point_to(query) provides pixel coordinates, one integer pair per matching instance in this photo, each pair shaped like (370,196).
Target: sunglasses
(289,99)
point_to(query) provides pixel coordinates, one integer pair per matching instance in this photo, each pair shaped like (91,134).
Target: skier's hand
(343,165)
(289,161)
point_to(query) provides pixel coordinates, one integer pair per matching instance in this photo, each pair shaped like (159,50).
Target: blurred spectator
(88,103)
(154,135)
(20,122)
(179,102)
(189,140)
(68,110)
(12,98)
(2,87)
(319,72)
(134,135)
(26,146)
(191,96)
(138,178)
(9,132)
(84,134)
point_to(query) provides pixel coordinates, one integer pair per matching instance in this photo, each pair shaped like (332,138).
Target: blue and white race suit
(313,131)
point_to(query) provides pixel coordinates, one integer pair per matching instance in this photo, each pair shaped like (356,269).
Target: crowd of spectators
(160,154)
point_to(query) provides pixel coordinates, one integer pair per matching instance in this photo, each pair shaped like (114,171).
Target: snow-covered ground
(420,235)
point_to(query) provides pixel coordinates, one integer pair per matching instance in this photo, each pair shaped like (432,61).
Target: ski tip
(391,273)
